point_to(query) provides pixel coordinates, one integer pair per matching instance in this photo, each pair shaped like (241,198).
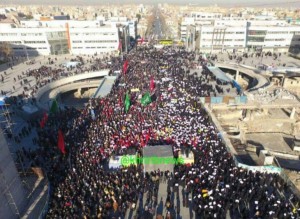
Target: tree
(138,16)
(29,17)
(6,50)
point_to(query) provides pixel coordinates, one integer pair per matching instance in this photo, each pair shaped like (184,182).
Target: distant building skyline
(222,3)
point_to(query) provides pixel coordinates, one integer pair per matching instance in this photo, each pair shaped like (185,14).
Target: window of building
(12,42)
(34,42)
(257,32)
(256,39)
(278,32)
(8,34)
(100,41)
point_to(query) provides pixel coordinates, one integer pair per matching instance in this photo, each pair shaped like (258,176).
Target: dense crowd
(50,70)
(83,187)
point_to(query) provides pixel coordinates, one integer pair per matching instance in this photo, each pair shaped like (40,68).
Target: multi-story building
(241,35)
(33,41)
(191,21)
(132,25)
(271,38)
(200,16)
(64,36)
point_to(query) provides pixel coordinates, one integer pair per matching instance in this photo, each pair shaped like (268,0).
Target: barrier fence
(224,100)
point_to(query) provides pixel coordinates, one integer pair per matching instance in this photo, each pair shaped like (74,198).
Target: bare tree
(5,50)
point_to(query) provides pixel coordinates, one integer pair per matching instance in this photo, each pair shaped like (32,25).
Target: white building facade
(63,37)
(240,35)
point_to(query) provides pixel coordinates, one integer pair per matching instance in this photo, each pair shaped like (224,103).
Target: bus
(166,42)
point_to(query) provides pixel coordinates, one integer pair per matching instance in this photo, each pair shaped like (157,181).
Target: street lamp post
(26,52)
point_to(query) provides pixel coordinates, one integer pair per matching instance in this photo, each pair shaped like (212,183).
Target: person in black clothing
(81,185)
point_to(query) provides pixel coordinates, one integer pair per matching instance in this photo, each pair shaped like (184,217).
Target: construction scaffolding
(7,125)
(13,198)
(12,193)
(5,118)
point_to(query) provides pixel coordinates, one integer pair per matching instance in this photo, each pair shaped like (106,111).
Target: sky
(226,3)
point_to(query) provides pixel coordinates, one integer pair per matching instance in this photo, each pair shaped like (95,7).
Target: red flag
(44,120)
(152,84)
(42,123)
(61,142)
(142,40)
(142,141)
(125,66)
(45,117)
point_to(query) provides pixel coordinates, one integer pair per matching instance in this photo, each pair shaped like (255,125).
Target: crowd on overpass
(50,70)
(82,187)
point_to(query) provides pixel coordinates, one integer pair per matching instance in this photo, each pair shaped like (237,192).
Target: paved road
(185,212)
(157,28)
(160,208)
(266,60)
(156,31)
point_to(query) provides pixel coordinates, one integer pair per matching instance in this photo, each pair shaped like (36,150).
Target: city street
(156,31)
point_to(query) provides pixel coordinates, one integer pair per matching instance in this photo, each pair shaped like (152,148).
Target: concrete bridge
(262,82)
(75,82)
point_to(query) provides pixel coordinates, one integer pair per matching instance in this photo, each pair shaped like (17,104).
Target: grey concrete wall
(10,183)
(262,81)
(73,86)
(64,81)
(69,79)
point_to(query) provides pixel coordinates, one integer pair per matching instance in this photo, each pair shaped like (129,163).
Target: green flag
(146,99)
(127,102)
(54,107)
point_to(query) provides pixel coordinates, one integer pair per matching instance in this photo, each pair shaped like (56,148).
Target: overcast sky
(228,3)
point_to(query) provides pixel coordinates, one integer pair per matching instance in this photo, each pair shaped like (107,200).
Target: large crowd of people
(50,70)
(213,186)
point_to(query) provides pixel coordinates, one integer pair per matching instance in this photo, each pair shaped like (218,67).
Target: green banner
(127,102)
(54,107)
(146,99)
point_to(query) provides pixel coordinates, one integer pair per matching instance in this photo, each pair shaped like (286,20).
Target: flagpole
(121,50)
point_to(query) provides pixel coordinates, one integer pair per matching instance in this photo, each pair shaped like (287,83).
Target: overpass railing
(45,208)
(224,100)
